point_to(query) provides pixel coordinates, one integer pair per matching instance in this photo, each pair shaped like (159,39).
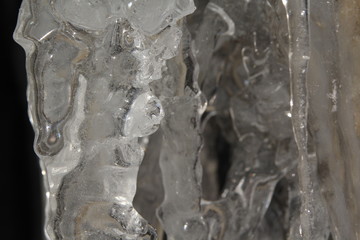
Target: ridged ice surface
(195,120)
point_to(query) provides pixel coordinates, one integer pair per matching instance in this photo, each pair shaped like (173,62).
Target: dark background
(20,190)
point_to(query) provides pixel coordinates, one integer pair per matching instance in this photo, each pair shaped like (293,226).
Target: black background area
(21,194)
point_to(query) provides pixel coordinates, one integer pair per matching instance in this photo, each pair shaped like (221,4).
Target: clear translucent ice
(244,112)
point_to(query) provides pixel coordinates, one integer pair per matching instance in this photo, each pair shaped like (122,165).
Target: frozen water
(244,112)
(90,64)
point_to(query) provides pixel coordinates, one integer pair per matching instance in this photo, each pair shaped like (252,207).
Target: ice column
(241,68)
(323,50)
(89,67)
(333,90)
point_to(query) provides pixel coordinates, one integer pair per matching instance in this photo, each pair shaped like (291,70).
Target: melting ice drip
(254,101)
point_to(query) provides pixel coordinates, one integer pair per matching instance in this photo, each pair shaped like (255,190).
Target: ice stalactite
(246,84)
(318,88)
(89,65)
(313,220)
(299,55)
(333,116)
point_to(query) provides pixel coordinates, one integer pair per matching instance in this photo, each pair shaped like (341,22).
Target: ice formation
(195,120)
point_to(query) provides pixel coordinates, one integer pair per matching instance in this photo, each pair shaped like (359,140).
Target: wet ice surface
(236,120)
